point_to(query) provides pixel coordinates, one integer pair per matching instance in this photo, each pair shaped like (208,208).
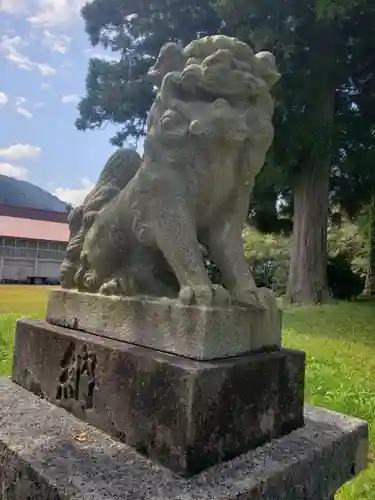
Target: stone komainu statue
(140,231)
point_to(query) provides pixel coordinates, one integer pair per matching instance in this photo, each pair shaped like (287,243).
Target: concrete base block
(47,454)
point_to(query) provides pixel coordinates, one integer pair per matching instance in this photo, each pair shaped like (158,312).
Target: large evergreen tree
(353,176)
(315,43)
(318,47)
(119,91)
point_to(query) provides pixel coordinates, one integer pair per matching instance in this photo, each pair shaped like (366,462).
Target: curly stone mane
(118,171)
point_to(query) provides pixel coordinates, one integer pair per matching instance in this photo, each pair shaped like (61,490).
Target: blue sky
(44,53)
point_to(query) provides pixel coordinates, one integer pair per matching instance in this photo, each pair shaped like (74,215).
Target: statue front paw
(204,295)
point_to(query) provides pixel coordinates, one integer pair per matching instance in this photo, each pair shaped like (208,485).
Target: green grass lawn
(17,301)
(340,345)
(23,300)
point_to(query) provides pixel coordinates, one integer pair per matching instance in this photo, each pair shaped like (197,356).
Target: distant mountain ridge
(24,194)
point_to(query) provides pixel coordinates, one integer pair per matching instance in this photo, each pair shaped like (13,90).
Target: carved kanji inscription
(77,376)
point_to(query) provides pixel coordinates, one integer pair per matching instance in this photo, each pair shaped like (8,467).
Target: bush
(347,262)
(268,256)
(268,259)
(349,240)
(344,283)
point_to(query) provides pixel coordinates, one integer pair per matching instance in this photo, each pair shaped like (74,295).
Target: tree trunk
(370,279)
(308,282)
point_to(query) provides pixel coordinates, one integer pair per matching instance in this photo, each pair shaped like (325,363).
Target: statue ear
(171,58)
(267,68)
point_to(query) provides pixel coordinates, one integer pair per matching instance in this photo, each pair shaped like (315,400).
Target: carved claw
(90,281)
(203,295)
(221,295)
(199,295)
(111,288)
(247,297)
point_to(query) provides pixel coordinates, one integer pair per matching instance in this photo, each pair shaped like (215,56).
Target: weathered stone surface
(209,130)
(46,454)
(120,168)
(192,331)
(182,413)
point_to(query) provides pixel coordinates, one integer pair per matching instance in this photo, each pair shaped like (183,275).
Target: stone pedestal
(47,454)
(190,331)
(182,413)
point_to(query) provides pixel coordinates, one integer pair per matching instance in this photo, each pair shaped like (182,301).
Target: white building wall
(21,260)
(49,269)
(17,270)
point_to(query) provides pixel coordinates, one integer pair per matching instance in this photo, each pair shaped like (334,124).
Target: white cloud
(56,12)
(39,105)
(13,6)
(17,151)
(45,86)
(77,195)
(56,43)
(3,99)
(93,52)
(69,99)
(13,171)
(66,64)
(20,100)
(10,47)
(24,112)
(44,12)
(46,69)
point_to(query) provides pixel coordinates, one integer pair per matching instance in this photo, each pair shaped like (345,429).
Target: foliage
(266,213)
(348,250)
(303,45)
(353,173)
(344,283)
(268,258)
(119,91)
(349,238)
(335,8)
(353,178)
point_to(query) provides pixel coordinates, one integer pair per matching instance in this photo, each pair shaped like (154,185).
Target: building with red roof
(32,244)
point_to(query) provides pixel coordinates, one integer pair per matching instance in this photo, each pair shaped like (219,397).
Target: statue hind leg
(148,275)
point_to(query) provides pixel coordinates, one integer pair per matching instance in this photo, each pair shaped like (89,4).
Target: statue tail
(73,251)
